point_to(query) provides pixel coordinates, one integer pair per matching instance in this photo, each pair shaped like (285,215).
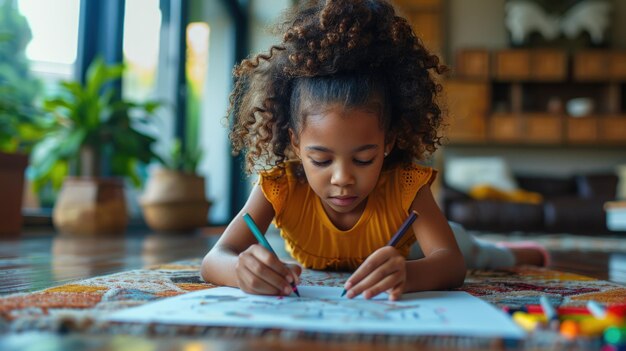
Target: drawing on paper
(322,309)
(314,309)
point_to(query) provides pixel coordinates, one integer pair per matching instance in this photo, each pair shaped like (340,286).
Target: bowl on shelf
(579,107)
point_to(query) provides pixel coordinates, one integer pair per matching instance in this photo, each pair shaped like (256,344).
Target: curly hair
(325,42)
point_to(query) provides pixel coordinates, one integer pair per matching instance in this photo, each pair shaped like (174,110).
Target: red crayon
(617,310)
(560,310)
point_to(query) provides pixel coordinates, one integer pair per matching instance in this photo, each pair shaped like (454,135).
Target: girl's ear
(295,144)
(389,144)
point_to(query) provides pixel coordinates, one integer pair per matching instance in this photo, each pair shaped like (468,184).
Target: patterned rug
(76,307)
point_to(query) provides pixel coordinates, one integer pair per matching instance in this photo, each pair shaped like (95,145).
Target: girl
(333,120)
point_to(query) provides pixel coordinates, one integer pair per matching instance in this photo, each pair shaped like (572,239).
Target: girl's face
(342,152)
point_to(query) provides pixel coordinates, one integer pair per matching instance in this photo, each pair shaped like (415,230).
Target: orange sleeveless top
(314,241)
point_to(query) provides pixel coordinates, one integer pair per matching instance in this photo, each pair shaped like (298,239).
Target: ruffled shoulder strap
(275,185)
(411,179)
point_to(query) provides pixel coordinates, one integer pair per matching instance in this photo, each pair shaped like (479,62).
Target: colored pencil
(261,239)
(399,234)
(547,307)
(564,310)
(552,316)
(596,309)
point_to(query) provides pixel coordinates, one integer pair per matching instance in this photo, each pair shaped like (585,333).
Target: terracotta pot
(11,187)
(91,206)
(175,201)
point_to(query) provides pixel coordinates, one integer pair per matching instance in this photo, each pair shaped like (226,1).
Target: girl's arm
(443,266)
(238,260)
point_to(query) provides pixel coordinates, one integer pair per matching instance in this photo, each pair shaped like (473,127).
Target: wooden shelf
(517,96)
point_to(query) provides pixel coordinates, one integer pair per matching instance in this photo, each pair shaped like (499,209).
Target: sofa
(569,205)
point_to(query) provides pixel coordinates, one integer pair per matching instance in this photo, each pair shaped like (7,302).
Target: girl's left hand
(384,270)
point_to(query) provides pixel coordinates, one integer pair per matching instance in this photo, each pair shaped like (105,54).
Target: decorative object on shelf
(174,199)
(587,16)
(579,107)
(555,105)
(92,126)
(523,17)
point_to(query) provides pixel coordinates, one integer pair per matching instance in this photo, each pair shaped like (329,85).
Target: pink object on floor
(528,245)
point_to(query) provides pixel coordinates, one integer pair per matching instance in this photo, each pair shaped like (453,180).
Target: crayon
(563,310)
(511,310)
(616,310)
(615,335)
(570,329)
(529,322)
(596,326)
(261,239)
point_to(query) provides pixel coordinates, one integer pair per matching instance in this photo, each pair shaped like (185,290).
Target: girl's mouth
(343,201)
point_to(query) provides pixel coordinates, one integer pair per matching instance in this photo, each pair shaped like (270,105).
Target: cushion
(597,185)
(487,192)
(464,173)
(548,186)
(621,184)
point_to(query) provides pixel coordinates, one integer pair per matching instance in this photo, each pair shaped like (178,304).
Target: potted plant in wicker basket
(92,126)
(174,198)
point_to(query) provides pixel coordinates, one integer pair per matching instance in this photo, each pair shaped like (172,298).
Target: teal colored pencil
(261,239)
(399,234)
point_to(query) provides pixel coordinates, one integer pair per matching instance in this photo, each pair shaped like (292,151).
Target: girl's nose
(342,176)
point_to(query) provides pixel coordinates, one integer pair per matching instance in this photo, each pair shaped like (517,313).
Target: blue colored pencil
(551,313)
(548,309)
(261,239)
(399,234)
(596,309)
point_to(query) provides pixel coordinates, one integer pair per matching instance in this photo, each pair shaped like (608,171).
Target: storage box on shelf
(519,96)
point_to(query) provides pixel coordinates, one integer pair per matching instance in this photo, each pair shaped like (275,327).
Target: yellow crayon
(596,326)
(529,322)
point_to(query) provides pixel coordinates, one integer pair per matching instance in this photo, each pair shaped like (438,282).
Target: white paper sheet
(321,309)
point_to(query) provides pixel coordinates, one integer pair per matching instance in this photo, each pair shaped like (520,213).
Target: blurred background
(535,104)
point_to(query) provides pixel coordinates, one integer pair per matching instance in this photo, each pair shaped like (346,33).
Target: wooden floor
(40,259)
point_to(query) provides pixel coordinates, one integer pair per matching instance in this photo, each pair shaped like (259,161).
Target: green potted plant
(174,198)
(91,126)
(20,121)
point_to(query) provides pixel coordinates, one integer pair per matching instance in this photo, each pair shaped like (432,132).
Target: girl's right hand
(260,272)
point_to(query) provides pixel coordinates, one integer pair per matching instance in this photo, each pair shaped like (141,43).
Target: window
(54,27)
(211,39)
(142,25)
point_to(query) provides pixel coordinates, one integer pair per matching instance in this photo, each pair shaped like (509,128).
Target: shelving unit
(519,96)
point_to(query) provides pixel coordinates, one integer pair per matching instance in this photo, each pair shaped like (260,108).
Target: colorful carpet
(77,306)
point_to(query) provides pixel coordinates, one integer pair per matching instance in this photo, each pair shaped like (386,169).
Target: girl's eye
(320,163)
(363,163)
